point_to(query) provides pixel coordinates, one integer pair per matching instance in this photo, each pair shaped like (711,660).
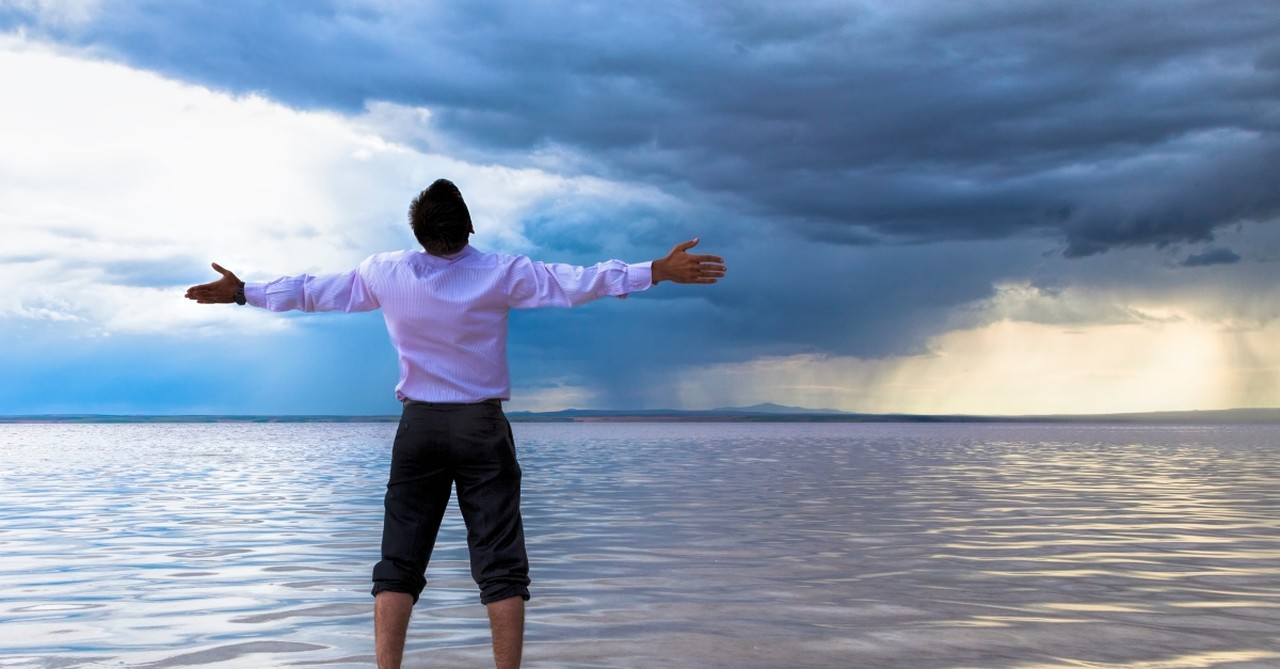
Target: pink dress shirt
(447,315)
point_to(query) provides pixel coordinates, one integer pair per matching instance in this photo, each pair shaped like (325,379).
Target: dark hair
(440,219)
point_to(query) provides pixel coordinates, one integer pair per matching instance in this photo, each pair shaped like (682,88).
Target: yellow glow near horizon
(1020,368)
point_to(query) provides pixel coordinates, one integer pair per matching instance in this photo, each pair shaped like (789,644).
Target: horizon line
(727,414)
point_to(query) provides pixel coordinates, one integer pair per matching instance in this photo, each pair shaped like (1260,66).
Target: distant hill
(770,407)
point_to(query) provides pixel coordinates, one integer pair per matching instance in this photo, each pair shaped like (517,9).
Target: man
(446,311)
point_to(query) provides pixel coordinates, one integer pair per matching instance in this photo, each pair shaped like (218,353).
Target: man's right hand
(682,267)
(222,291)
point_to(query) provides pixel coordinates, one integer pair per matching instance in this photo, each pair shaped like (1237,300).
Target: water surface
(658,545)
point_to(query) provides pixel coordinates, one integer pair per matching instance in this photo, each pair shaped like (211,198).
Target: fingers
(698,273)
(221,270)
(710,268)
(198,293)
(206,297)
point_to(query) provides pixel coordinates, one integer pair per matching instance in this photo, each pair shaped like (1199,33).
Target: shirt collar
(466,251)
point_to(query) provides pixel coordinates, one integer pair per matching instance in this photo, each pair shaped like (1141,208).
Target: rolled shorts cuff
(381,586)
(499,594)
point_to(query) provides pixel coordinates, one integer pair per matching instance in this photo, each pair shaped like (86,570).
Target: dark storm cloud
(1103,124)
(1211,257)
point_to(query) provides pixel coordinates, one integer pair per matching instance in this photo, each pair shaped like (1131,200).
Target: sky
(999,207)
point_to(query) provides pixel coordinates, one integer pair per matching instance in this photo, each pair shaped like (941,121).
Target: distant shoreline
(1210,417)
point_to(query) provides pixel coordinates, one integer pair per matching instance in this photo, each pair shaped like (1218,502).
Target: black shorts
(437,446)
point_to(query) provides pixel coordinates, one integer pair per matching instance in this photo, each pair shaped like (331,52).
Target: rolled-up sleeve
(346,292)
(534,284)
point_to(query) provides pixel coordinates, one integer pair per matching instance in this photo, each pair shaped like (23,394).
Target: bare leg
(506,622)
(391,611)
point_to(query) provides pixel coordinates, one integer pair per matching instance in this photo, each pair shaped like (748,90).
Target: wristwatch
(239,296)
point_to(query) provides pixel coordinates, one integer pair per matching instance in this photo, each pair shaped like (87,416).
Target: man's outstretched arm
(331,292)
(533,284)
(680,266)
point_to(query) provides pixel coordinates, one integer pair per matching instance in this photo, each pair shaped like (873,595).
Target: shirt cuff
(255,294)
(640,276)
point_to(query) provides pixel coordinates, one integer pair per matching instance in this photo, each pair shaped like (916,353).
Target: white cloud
(105,166)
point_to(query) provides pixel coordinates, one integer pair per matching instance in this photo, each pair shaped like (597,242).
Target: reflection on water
(658,545)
